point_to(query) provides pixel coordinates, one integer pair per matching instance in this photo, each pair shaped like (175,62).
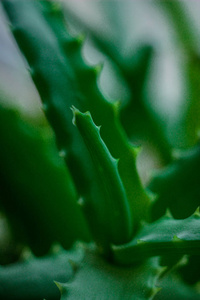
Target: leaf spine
(161,270)
(168,214)
(75,43)
(136,150)
(154,291)
(74,111)
(176,239)
(62,287)
(152,196)
(197,212)
(140,242)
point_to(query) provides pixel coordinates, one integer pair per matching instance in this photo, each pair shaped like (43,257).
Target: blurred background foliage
(151,65)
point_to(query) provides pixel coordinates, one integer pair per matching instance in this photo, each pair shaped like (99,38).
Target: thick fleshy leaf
(36,188)
(174,289)
(113,211)
(34,278)
(177,186)
(97,279)
(166,236)
(105,114)
(59,91)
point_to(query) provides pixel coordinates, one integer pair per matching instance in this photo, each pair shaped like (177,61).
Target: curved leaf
(113,210)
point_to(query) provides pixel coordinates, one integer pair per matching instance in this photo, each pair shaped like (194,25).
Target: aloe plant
(120,239)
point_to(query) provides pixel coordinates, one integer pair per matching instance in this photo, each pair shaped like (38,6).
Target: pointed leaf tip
(81,116)
(115,161)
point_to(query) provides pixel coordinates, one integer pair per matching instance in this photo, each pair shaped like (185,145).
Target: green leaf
(97,279)
(59,91)
(177,186)
(174,289)
(113,211)
(34,278)
(36,189)
(105,114)
(133,70)
(166,236)
(53,81)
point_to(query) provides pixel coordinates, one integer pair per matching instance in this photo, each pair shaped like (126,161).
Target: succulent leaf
(178,186)
(97,279)
(115,215)
(173,288)
(49,72)
(134,72)
(59,91)
(102,178)
(105,114)
(33,278)
(35,185)
(165,236)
